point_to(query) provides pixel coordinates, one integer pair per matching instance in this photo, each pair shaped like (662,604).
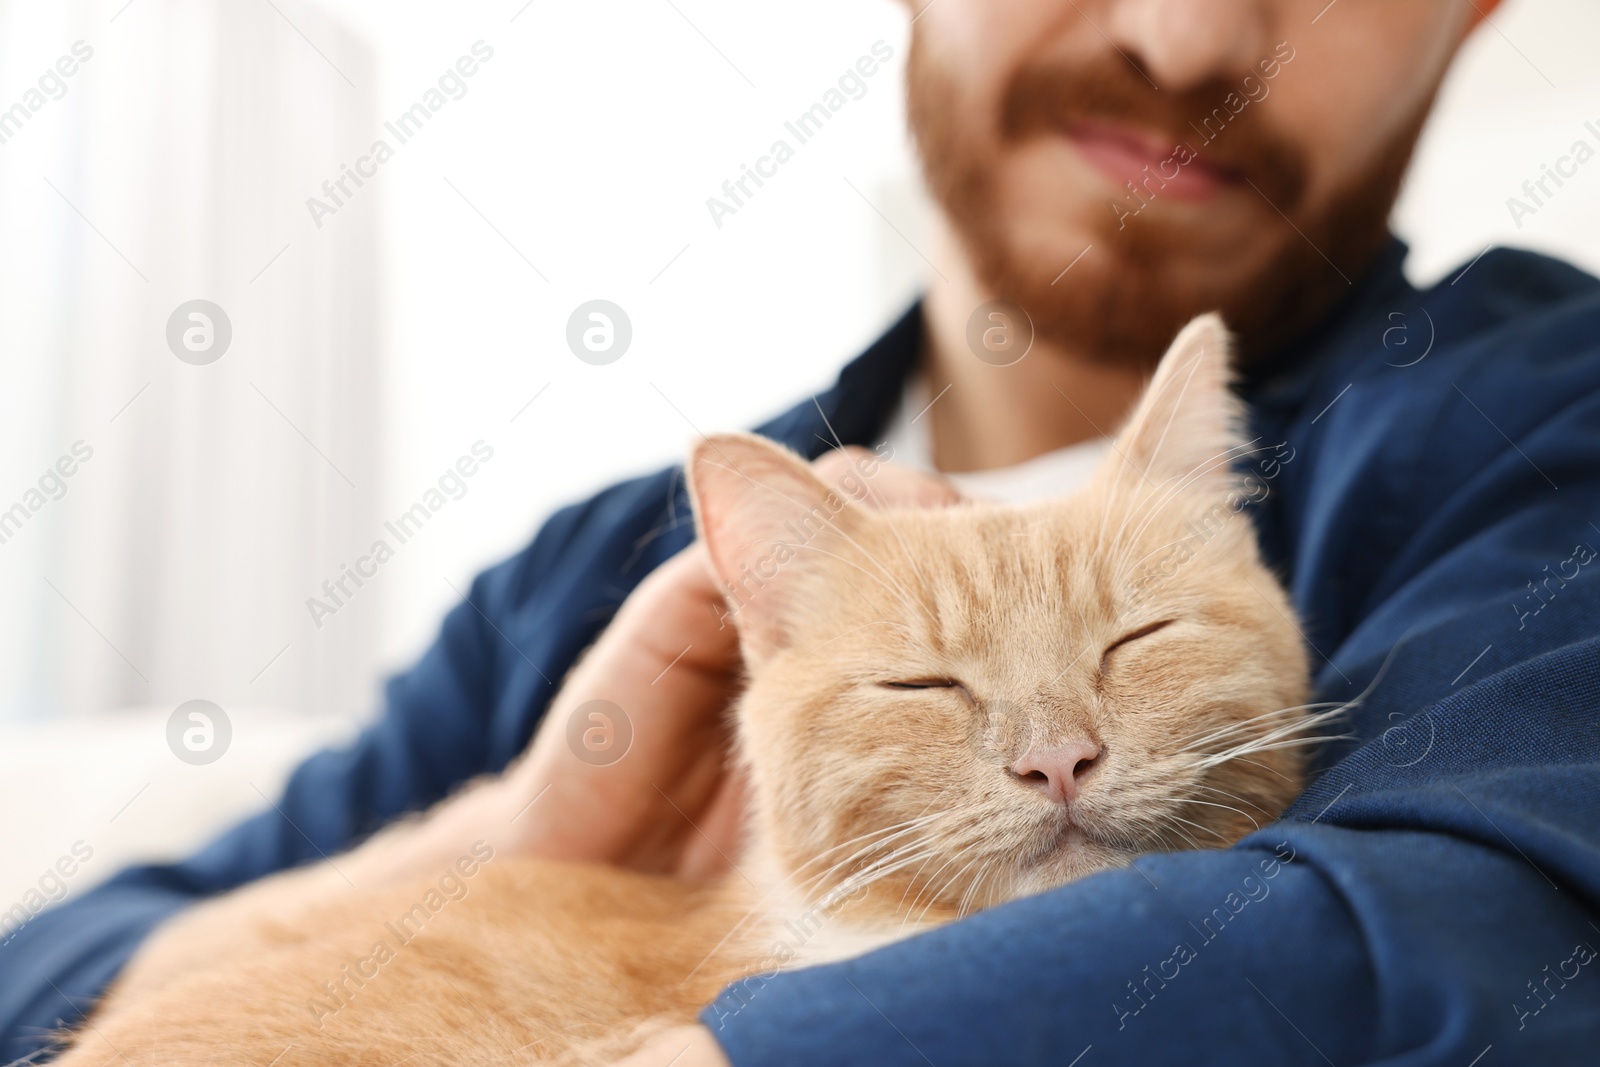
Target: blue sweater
(1433,897)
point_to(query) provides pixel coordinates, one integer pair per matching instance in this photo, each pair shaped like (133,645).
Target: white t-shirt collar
(1050,475)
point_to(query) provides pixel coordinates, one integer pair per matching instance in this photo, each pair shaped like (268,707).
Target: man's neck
(993,417)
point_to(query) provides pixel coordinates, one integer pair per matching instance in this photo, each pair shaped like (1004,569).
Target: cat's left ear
(1189,424)
(758,507)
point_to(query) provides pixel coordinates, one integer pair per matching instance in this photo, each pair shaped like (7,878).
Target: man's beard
(1121,309)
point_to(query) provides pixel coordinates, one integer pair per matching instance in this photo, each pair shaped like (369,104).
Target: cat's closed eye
(1143,631)
(932,683)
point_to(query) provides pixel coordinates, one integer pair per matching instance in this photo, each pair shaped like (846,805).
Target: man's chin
(1108,280)
(1104,295)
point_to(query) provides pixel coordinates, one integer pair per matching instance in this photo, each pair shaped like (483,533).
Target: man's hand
(669,803)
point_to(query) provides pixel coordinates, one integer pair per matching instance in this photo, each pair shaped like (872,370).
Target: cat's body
(947,709)
(500,959)
(538,962)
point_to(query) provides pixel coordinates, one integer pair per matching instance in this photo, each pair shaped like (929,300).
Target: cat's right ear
(758,507)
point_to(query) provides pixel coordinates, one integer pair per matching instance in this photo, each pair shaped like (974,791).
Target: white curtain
(175,561)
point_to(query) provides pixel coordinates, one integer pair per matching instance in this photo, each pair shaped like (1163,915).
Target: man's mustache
(1222,122)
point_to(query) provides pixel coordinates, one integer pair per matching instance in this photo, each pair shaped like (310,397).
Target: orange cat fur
(946,709)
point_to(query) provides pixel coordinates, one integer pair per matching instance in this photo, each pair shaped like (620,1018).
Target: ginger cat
(946,709)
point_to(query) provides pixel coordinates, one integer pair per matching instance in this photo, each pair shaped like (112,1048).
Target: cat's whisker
(1150,828)
(960,875)
(877,873)
(1285,722)
(899,830)
(891,828)
(911,909)
(1188,838)
(1283,737)
(1246,723)
(911,884)
(864,859)
(933,898)
(1170,817)
(1295,726)
(890,836)
(1228,807)
(987,877)
(1267,743)
(880,869)
(877,868)
(1190,742)
(1232,796)
(977,882)
(1294,742)
(1264,767)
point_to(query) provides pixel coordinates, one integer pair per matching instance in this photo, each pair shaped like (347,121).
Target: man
(1110,167)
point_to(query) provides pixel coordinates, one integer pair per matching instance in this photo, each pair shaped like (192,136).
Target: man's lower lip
(1154,175)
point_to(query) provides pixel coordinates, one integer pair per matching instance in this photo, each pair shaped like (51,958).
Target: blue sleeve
(467,707)
(1434,897)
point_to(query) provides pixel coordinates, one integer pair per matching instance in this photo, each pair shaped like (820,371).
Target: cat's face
(963,705)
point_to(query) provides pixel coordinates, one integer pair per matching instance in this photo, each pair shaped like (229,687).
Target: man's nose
(1057,770)
(1180,44)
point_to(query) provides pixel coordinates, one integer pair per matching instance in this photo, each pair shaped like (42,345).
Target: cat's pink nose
(1057,770)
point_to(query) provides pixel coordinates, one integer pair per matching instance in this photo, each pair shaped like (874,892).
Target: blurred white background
(429,312)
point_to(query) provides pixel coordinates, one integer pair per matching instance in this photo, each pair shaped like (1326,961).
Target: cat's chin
(1073,855)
